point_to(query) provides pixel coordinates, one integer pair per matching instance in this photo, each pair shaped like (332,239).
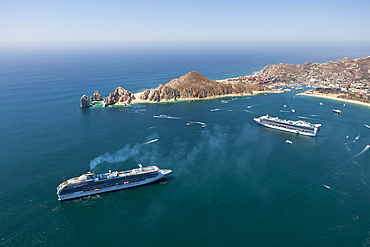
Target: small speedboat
(337,111)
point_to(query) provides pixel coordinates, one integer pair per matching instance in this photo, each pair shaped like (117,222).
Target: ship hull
(115,187)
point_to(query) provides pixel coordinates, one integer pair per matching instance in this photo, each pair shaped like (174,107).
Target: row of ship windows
(113,182)
(291,127)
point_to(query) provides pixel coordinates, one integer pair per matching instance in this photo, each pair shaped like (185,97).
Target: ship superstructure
(90,183)
(298,127)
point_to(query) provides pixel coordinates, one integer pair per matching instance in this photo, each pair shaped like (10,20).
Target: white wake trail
(362,152)
(149,141)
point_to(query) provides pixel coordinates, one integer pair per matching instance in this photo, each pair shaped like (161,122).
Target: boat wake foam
(192,122)
(166,116)
(250,111)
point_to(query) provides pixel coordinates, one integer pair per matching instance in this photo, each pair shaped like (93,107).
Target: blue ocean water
(233,183)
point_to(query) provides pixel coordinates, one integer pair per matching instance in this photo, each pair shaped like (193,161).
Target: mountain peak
(190,79)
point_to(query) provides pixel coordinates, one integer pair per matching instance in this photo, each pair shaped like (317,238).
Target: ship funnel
(140,166)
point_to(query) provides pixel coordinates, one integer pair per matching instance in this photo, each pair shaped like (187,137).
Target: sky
(25,23)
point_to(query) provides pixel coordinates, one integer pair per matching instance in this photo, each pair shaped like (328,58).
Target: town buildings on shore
(348,78)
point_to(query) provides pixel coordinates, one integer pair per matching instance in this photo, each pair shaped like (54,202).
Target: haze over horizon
(163,23)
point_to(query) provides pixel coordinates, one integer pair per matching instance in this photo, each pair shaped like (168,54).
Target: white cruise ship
(89,183)
(298,127)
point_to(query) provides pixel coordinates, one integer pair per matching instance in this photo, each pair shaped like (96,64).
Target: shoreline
(140,101)
(334,97)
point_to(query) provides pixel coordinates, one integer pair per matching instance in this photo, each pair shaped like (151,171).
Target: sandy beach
(334,97)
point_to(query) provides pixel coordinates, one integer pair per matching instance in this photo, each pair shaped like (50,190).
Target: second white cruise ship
(298,127)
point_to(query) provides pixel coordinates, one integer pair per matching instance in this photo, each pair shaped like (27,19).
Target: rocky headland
(191,86)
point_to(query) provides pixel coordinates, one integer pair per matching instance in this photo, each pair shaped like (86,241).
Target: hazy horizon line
(168,45)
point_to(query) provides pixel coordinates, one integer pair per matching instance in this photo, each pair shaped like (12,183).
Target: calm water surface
(233,183)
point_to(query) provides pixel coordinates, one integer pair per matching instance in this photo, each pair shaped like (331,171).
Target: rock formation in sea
(195,85)
(97,96)
(120,96)
(85,101)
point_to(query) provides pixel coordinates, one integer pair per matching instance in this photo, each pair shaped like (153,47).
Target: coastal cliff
(120,96)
